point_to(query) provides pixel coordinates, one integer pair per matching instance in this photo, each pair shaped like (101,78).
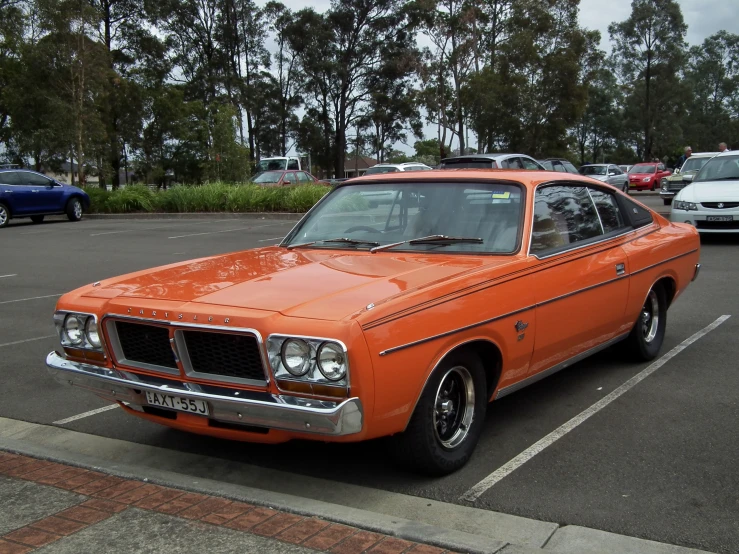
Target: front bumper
(667,193)
(699,220)
(240,407)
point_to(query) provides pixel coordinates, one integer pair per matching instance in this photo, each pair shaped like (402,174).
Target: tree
(650,52)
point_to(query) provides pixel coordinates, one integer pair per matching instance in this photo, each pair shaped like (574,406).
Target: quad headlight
(78,330)
(686,206)
(310,360)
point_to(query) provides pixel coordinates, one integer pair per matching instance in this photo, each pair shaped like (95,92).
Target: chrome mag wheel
(4,216)
(454,407)
(650,317)
(77,209)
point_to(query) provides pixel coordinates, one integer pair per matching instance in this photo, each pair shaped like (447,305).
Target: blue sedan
(26,193)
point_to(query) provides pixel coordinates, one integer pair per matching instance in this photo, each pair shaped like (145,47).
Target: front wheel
(646,338)
(448,419)
(74,209)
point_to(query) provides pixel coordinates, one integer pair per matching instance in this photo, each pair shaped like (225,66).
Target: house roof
(363,162)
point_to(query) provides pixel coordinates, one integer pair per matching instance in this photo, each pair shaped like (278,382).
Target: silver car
(491,161)
(607,173)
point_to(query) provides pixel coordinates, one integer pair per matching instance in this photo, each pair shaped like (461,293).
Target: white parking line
(11,275)
(226,230)
(32,298)
(479,489)
(156,228)
(86,414)
(26,340)
(273,238)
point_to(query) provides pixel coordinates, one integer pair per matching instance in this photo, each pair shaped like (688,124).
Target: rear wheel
(74,209)
(646,338)
(37,218)
(4,215)
(625,188)
(448,419)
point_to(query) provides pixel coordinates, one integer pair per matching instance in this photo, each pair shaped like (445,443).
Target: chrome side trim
(560,366)
(585,289)
(580,247)
(697,271)
(664,261)
(459,330)
(259,409)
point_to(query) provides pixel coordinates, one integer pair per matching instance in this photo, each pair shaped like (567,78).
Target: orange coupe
(401,304)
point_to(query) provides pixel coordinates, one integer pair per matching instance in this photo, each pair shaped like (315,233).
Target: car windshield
(643,169)
(693,164)
(268,177)
(272,165)
(720,168)
(376,170)
(395,212)
(593,170)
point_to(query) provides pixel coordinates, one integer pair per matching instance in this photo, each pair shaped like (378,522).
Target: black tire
(422,448)
(74,209)
(4,215)
(626,188)
(667,201)
(645,341)
(37,218)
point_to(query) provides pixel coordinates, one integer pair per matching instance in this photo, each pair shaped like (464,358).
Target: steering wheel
(362,228)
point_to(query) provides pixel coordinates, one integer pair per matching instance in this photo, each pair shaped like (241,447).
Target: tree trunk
(648,108)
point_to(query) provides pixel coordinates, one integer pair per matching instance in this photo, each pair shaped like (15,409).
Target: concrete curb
(199,215)
(370,521)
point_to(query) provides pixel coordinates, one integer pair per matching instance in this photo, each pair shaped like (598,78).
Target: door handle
(620,269)
(34,191)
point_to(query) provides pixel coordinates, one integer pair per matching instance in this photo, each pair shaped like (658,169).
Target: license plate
(190,405)
(720,218)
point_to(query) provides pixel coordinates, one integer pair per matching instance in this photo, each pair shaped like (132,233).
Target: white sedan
(711,202)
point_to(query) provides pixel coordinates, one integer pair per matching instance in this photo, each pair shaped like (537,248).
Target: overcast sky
(704,18)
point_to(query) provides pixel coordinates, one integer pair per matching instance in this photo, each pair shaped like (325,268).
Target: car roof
(724,153)
(596,165)
(490,156)
(526,177)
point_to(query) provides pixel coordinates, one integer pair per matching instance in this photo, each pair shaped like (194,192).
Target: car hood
(598,177)
(315,284)
(711,191)
(679,176)
(640,175)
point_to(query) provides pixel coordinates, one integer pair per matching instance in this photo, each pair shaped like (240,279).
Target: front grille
(145,344)
(675,186)
(717,224)
(723,206)
(224,354)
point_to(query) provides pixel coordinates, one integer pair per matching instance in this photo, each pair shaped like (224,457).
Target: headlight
(309,360)
(686,206)
(78,330)
(331,361)
(646,179)
(295,356)
(91,332)
(74,329)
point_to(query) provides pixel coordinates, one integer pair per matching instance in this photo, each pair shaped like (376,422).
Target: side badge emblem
(521,326)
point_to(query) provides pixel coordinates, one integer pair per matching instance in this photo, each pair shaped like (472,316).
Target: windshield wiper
(442,240)
(339,240)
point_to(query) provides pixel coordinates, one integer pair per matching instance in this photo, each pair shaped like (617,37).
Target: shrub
(211,197)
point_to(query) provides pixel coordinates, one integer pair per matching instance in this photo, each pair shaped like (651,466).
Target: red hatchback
(647,176)
(284,178)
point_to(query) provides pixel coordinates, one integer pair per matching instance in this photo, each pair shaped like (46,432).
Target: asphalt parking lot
(657,463)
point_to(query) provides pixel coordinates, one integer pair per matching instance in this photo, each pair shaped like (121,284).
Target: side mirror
(611,173)
(677,171)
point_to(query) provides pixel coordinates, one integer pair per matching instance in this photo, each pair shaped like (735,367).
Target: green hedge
(213,197)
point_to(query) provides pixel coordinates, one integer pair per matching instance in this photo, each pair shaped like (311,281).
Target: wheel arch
(669,285)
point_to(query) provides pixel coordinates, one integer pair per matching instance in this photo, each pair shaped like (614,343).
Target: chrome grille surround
(178,345)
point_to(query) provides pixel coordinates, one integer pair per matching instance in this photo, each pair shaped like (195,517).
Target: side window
(636,215)
(563,215)
(290,178)
(610,214)
(530,164)
(37,180)
(570,168)
(292,164)
(10,178)
(512,163)
(303,177)
(559,166)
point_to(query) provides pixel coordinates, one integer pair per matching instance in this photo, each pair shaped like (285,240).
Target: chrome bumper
(257,409)
(667,193)
(697,271)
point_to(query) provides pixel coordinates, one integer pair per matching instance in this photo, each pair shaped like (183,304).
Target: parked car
(470,286)
(393,168)
(647,176)
(491,161)
(280,163)
(683,176)
(607,173)
(25,193)
(711,202)
(284,178)
(559,164)
(625,168)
